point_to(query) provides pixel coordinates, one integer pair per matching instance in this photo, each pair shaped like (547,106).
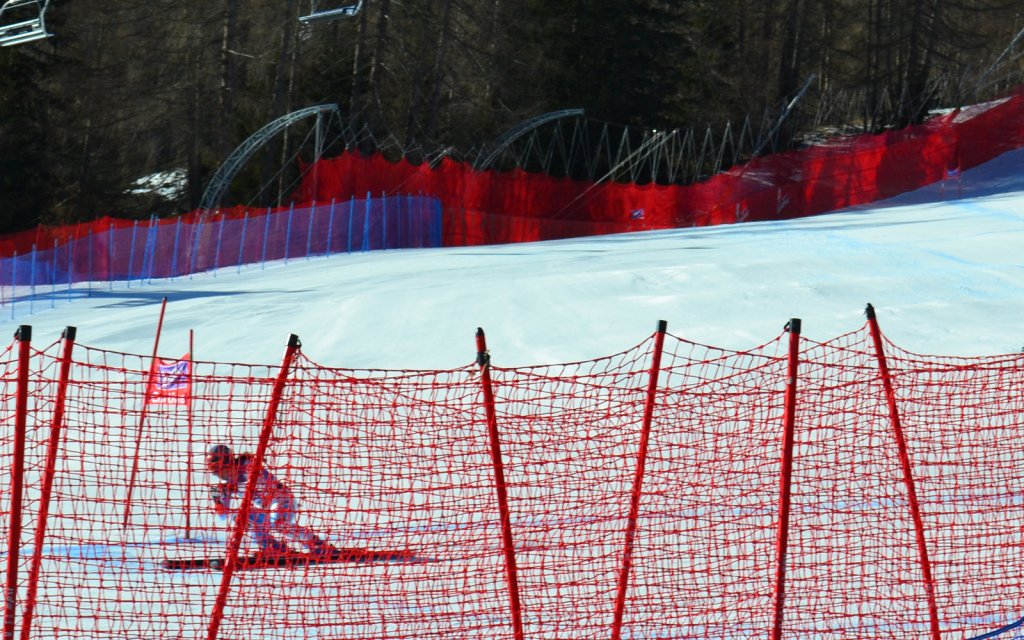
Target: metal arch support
(226,172)
(328,15)
(489,154)
(23,30)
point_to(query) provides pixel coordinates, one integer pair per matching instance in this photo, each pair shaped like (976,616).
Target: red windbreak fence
(455,205)
(799,489)
(493,207)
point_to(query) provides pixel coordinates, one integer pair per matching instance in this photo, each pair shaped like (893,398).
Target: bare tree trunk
(355,105)
(228,77)
(279,97)
(376,60)
(437,73)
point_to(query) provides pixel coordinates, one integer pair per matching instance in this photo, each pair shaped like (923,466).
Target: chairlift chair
(320,13)
(23,21)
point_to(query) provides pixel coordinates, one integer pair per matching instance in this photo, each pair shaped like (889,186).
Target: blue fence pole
(14,283)
(174,252)
(351,210)
(71,265)
(330,226)
(383,221)
(149,255)
(110,257)
(53,277)
(92,269)
(309,232)
(131,254)
(288,233)
(197,235)
(404,223)
(366,224)
(266,233)
(216,252)
(241,242)
(32,283)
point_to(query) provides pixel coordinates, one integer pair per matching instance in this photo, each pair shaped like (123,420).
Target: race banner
(171,382)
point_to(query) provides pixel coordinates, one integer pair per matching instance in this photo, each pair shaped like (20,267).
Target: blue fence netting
(150,250)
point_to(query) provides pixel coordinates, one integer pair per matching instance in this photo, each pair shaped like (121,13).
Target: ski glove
(221,496)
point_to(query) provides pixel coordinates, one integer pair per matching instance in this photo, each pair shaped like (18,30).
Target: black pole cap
(483,356)
(24,333)
(793,326)
(869,311)
(69,333)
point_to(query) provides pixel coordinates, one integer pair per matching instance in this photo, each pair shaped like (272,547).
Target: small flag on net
(171,382)
(636,214)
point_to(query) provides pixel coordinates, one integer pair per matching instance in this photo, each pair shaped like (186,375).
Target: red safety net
(645,494)
(493,207)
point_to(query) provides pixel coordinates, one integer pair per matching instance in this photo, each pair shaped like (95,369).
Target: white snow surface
(943,267)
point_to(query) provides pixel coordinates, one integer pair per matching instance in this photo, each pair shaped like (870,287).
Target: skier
(273,509)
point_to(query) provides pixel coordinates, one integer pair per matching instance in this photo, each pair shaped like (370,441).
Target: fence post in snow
(71,265)
(785,479)
(24,338)
(241,243)
(197,234)
(174,251)
(32,283)
(14,283)
(330,226)
(908,473)
(288,232)
(366,223)
(266,232)
(53,276)
(483,360)
(149,257)
(383,221)
(131,254)
(242,518)
(638,480)
(150,381)
(89,267)
(309,231)
(110,257)
(220,239)
(351,209)
(49,470)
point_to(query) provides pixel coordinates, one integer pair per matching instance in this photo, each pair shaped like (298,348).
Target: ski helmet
(219,456)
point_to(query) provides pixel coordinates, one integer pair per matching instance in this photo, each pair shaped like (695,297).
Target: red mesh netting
(633,509)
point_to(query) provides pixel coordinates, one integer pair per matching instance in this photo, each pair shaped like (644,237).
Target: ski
(270,560)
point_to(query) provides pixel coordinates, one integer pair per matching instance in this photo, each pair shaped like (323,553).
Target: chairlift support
(23,21)
(222,178)
(319,13)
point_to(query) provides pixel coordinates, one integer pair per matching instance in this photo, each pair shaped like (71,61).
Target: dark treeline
(127,88)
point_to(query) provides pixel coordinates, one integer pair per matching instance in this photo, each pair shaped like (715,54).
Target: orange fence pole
(786,478)
(638,480)
(908,474)
(142,416)
(48,474)
(24,338)
(511,574)
(242,519)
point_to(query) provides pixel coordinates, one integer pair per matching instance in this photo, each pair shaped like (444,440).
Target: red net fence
(493,207)
(674,490)
(356,202)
